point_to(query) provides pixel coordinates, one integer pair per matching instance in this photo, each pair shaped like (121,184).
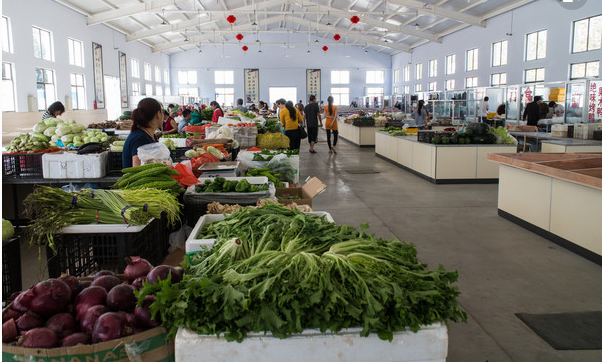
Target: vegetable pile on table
(65,311)
(153,175)
(479,133)
(220,184)
(29,142)
(272,176)
(395,131)
(284,271)
(267,155)
(117,146)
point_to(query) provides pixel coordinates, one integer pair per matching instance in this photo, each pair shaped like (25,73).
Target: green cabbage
(7,230)
(63,130)
(215,152)
(51,121)
(40,127)
(67,138)
(50,131)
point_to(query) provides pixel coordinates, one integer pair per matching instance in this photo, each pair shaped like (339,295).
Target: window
(450,84)
(374,92)
(499,53)
(224,77)
(396,76)
(76,52)
(418,88)
(375,76)
(498,79)
(157,74)
(535,75)
(587,34)
(536,45)
(432,68)
(472,60)
(450,64)
(406,74)
(225,96)
(148,73)
(148,89)
(8,88)
(78,92)
(419,71)
(471,82)
(46,91)
(159,90)
(135,89)
(585,70)
(7,39)
(167,91)
(406,89)
(340,95)
(187,76)
(339,77)
(191,92)
(165,76)
(42,44)
(135,68)
(395,90)
(432,86)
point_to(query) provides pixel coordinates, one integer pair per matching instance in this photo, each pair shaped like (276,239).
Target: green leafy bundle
(283,271)
(220,184)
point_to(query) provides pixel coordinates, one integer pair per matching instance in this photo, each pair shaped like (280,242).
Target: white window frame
(7,35)
(539,75)
(167,91)
(396,90)
(188,91)
(418,71)
(498,79)
(375,92)
(340,95)
(9,99)
(588,70)
(433,64)
(166,76)
(450,64)
(533,40)
(450,84)
(588,24)
(48,91)
(46,54)
(223,76)
(225,95)
(135,88)
(396,76)
(148,72)
(135,65)
(187,77)
(375,77)
(78,91)
(158,90)
(76,52)
(471,82)
(472,59)
(406,89)
(406,73)
(499,53)
(339,77)
(157,74)
(418,87)
(148,89)
(432,86)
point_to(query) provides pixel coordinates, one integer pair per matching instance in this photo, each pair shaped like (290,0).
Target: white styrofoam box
(103,228)
(429,344)
(69,165)
(585,131)
(193,244)
(179,142)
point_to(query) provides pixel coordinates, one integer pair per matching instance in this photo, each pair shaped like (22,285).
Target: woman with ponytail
(331,112)
(147,118)
(290,118)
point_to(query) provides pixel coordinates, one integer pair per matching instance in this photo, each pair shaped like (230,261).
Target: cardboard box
(307,192)
(148,346)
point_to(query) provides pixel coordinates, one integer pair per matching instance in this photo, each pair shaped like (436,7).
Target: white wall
(275,69)
(63,23)
(539,15)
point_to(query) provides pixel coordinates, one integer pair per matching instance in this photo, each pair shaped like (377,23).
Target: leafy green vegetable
(219,184)
(7,230)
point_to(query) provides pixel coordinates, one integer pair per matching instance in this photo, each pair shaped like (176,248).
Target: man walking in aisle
(312,116)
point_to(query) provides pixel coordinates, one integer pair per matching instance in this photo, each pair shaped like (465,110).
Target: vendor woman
(55,110)
(169,124)
(217,112)
(147,118)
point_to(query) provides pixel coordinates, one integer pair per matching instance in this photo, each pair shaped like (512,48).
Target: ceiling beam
(109,15)
(429,9)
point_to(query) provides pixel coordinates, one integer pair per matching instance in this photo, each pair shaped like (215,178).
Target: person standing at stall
(290,117)
(239,107)
(186,117)
(312,117)
(531,113)
(146,118)
(55,110)
(217,111)
(484,109)
(331,112)
(169,124)
(421,115)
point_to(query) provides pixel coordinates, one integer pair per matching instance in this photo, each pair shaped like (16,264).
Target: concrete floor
(504,269)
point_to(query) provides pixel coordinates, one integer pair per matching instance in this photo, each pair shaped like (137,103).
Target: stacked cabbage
(69,132)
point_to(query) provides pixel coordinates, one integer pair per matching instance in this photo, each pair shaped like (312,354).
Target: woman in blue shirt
(147,118)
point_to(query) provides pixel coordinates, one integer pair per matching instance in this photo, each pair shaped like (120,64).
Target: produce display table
(429,344)
(558,196)
(534,138)
(441,164)
(570,145)
(359,136)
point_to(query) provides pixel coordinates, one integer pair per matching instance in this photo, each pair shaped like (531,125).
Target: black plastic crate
(11,267)
(115,161)
(178,154)
(85,254)
(597,135)
(22,165)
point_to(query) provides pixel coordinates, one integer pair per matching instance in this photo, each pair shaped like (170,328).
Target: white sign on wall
(252,86)
(99,90)
(313,84)
(123,80)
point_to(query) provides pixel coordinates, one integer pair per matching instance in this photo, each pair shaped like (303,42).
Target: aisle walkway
(504,269)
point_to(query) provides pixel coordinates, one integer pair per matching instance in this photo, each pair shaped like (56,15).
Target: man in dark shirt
(531,113)
(311,117)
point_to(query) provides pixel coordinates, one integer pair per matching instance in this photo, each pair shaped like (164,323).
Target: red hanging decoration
(245,48)
(337,37)
(354,19)
(239,37)
(325,48)
(231,19)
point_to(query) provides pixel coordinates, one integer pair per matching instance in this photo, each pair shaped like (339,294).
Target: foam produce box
(71,165)
(312,188)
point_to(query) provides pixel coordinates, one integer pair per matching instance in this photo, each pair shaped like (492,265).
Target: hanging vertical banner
(123,80)
(252,86)
(99,90)
(313,84)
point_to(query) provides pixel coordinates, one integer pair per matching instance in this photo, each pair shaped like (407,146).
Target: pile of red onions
(65,311)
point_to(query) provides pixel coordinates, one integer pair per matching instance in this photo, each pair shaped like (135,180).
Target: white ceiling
(391,26)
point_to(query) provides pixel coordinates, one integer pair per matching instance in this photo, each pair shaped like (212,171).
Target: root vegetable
(122,298)
(103,272)
(9,331)
(109,326)
(51,296)
(23,300)
(63,324)
(137,267)
(91,316)
(73,284)
(75,339)
(107,282)
(161,272)
(143,315)
(10,314)
(137,283)
(89,297)
(29,320)
(40,338)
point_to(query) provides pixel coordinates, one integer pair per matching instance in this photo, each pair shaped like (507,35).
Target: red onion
(103,272)
(40,338)
(52,296)
(138,282)
(129,321)
(75,339)
(9,331)
(83,284)
(161,272)
(89,297)
(143,315)
(62,324)
(109,326)
(29,320)
(122,298)
(90,316)
(10,314)
(23,300)
(106,281)
(136,268)
(73,284)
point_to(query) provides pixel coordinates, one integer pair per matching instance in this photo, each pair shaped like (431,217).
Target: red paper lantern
(325,48)
(231,19)
(354,19)
(245,48)
(239,37)
(336,37)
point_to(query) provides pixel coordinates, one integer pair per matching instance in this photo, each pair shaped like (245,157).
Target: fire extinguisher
(95,105)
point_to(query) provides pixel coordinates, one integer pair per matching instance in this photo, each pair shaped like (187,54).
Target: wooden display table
(359,136)
(558,196)
(441,164)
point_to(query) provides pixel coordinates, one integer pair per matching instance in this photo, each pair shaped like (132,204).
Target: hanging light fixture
(337,37)
(163,17)
(239,37)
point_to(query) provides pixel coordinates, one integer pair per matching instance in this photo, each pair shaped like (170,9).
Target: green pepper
(243,186)
(229,186)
